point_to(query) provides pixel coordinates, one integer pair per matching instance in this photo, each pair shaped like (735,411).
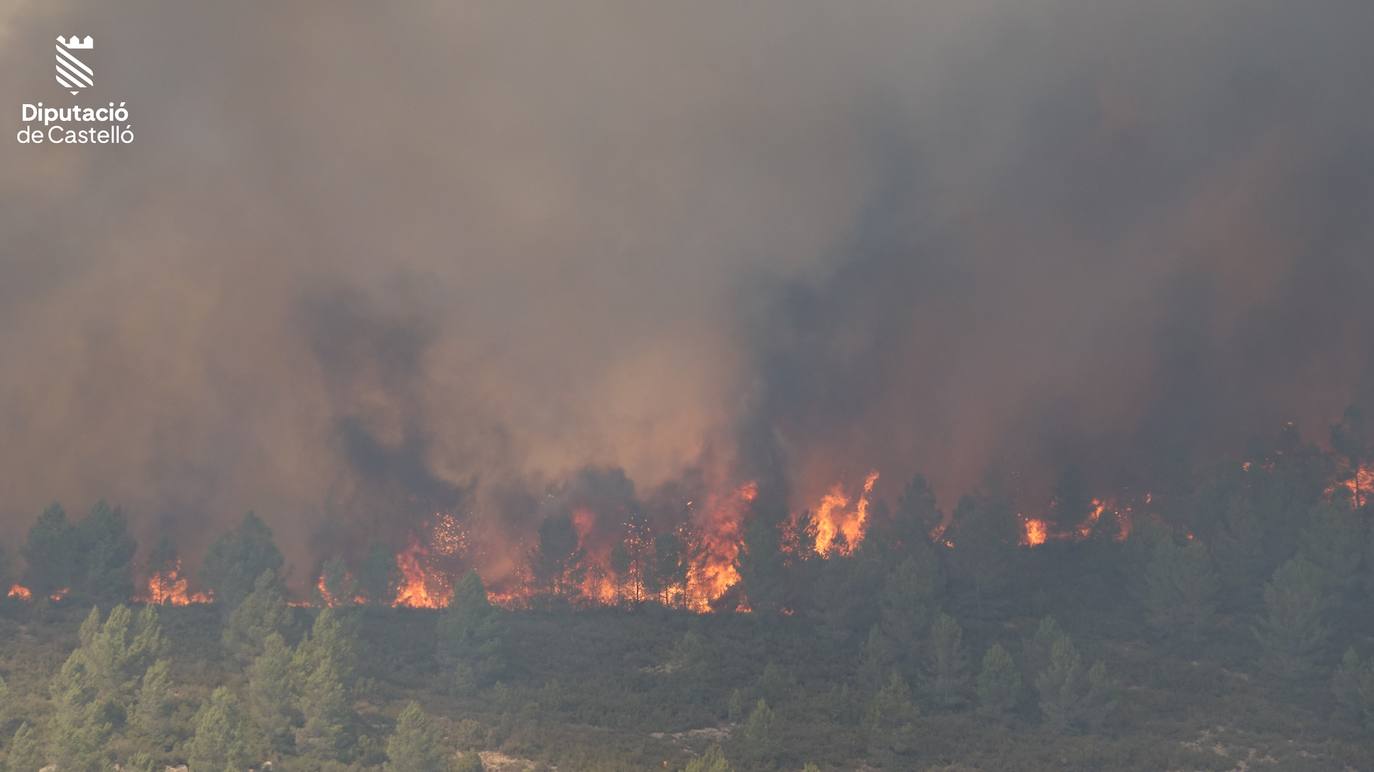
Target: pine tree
(326,713)
(690,657)
(221,737)
(1041,645)
(760,565)
(559,561)
(1333,542)
(336,586)
(52,553)
(1071,698)
(986,532)
(1293,632)
(117,652)
(713,760)
(25,751)
(152,715)
(1181,590)
(946,668)
(270,694)
(911,599)
(999,683)
(238,559)
(262,612)
(876,659)
(415,744)
(1353,687)
(670,567)
(379,576)
(332,636)
(759,742)
(107,552)
(79,728)
(472,635)
(890,721)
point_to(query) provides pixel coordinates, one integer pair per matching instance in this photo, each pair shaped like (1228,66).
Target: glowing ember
(19,592)
(59,594)
(834,518)
(1036,532)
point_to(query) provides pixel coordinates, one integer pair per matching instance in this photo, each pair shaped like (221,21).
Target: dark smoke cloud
(361,262)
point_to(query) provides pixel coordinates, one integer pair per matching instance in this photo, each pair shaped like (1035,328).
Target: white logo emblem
(72,73)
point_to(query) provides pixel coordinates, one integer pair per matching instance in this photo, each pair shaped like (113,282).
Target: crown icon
(76,42)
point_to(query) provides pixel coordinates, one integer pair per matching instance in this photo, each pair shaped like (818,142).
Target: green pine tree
(52,553)
(326,712)
(221,734)
(713,760)
(1072,698)
(946,667)
(911,599)
(333,636)
(1353,687)
(271,698)
(236,560)
(1181,590)
(472,635)
(379,576)
(890,721)
(107,554)
(262,612)
(999,683)
(415,745)
(1293,632)
(26,750)
(80,728)
(759,741)
(152,714)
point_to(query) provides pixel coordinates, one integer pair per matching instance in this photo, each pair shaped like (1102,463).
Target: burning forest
(769,386)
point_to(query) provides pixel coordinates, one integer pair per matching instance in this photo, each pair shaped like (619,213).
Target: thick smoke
(364,263)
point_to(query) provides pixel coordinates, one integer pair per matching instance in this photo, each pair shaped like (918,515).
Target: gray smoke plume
(362,263)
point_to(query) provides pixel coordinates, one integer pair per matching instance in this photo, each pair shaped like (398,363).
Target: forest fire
(1036,532)
(420,588)
(1357,485)
(19,592)
(839,529)
(722,531)
(169,588)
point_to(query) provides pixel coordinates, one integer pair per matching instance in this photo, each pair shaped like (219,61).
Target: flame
(420,588)
(834,518)
(59,594)
(169,588)
(722,531)
(19,592)
(1358,487)
(1036,532)
(329,600)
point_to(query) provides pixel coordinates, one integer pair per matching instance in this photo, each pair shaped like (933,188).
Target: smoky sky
(362,261)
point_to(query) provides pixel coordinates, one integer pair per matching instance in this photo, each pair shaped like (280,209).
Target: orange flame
(19,592)
(834,518)
(1036,532)
(722,532)
(169,588)
(1358,487)
(419,588)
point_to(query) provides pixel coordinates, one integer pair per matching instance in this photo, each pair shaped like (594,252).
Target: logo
(72,73)
(74,124)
